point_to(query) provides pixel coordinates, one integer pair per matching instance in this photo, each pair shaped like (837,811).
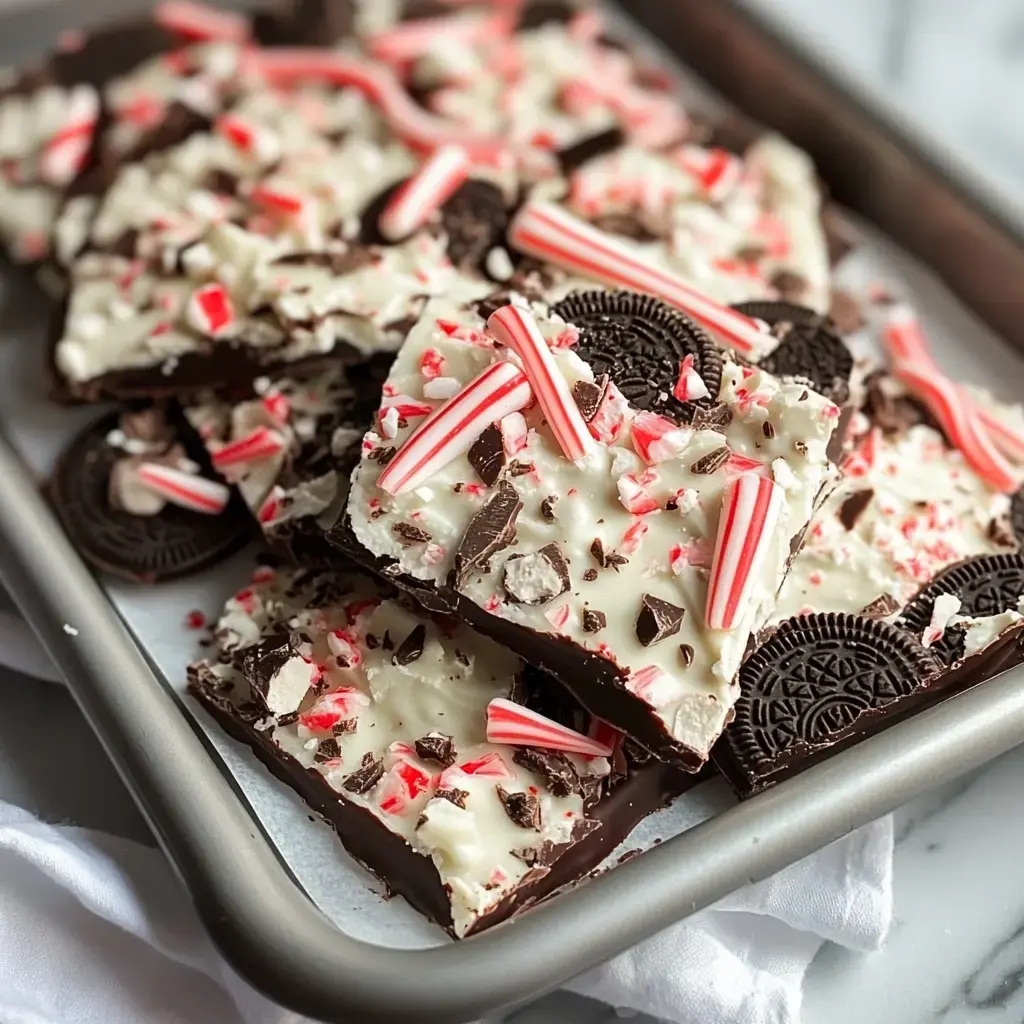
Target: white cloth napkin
(96,929)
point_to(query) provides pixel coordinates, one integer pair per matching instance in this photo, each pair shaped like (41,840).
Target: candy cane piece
(193,492)
(201,23)
(959,423)
(411,122)
(210,310)
(332,708)
(425,192)
(518,331)
(544,230)
(512,723)
(745,532)
(64,155)
(690,386)
(262,443)
(451,429)
(1009,441)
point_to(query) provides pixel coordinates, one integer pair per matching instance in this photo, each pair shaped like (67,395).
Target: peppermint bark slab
(379,717)
(598,570)
(290,452)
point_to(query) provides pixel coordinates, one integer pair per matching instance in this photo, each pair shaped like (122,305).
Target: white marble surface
(956,953)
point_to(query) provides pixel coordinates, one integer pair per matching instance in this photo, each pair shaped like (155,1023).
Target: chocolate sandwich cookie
(978,588)
(817,684)
(135,500)
(641,343)
(1017,516)
(441,761)
(810,347)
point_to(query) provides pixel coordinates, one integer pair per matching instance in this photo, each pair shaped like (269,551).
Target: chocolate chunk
(881,608)
(536,578)
(613,559)
(590,575)
(717,418)
(846,312)
(818,680)
(411,647)
(328,750)
(554,768)
(597,550)
(517,468)
(278,675)
(657,620)
(435,747)
(640,342)
(790,285)
(986,585)
(811,348)
(174,542)
(686,655)
(853,508)
(588,396)
(523,809)
(383,454)
(487,455)
(712,462)
(491,529)
(474,220)
(343,728)
(410,534)
(547,508)
(574,156)
(366,776)
(1000,531)
(593,620)
(453,796)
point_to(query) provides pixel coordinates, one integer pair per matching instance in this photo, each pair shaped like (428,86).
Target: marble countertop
(956,951)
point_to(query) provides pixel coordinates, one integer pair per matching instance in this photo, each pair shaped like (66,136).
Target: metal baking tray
(246,894)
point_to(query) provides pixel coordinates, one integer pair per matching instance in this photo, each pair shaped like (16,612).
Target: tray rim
(286,948)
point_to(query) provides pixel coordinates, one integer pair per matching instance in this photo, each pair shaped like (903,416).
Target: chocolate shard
(588,396)
(536,578)
(657,620)
(487,455)
(327,751)
(492,529)
(523,809)
(554,768)
(590,575)
(410,534)
(717,418)
(881,608)
(547,508)
(454,796)
(366,776)
(597,550)
(437,747)
(593,620)
(686,655)
(853,508)
(712,462)
(411,647)
(278,675)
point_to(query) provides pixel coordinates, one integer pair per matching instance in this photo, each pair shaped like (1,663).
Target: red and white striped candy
(656,438)
(1008,440)
(739,464)
(210,310)
(270,507)
(690,386)
(550,233)
(514,433)
(634,492)
(250,138)
(607,423)
(187,490)
(717,170)
(262,443)
(451,429)
(512,723)
(959,423)
(745,531)
(425,192)
(654,686)
(402,785)
(64,155)
(405,406)
(518,331)
(489,765)
(334,708)
(411,122)
(278,201)
(277,406)
(201,23)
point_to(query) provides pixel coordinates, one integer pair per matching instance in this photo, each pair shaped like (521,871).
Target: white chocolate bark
(667,551)
(370,704)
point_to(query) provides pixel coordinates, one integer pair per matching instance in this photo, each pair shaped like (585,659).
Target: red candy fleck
(195,620)
(656,438)
(432,364)
(633,537)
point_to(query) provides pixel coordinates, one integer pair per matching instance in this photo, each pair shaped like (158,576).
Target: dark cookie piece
(572,157)
(987,585)
(640,342)
(487,455)
(1017,515)
(811,347)
(820,679)
(474,219)
(173,543)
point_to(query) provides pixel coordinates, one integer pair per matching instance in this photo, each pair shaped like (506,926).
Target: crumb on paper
(70,630)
